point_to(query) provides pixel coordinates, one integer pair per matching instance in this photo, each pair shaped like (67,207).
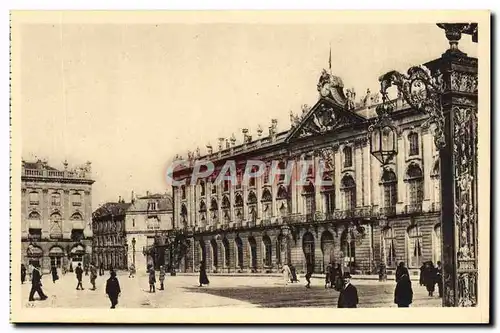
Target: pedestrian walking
(401,270)
(131,273)
(87,269)
(79,275)
(421,278)
(339,282)
(23,273)
(203,274)
(64,269)
(382,272)
(430,278)
(287,273)
(162,277)
(439,278)
(293,274)
(348,297)
(36,284)
(113,289)
(93,275)
(101,269)
(53,271)
(403,293)
(328,272)
(309,273)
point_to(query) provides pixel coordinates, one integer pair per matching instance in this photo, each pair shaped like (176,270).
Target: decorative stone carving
(464,82)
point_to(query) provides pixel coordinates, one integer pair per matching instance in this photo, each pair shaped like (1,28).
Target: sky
(130,97)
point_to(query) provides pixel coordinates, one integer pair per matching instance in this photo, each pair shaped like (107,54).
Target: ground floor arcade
(359,246)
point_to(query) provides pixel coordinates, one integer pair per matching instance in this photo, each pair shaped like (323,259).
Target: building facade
(110,241)
(56,214)
(147,218)
(369,214)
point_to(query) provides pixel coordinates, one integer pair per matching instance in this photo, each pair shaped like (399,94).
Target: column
(367,181)
(260,255)
(338,166)
(274,249)
(358,165)
(317,187)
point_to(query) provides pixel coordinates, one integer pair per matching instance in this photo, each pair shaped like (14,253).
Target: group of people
(430,276)
(112,285)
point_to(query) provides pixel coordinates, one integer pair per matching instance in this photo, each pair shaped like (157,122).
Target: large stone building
(147,217)
(371,214)
(110,243)
(56,214)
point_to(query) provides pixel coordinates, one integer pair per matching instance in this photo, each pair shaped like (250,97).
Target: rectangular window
(330,201)
(33,198)
(133,223)
(413,140)
(76,199)
(56,199)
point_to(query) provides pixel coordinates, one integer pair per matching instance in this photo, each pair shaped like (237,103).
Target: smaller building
(109,242)
(147,219)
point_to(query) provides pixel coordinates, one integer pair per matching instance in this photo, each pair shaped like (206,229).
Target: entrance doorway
(308,248)
(253,252)
(327,248)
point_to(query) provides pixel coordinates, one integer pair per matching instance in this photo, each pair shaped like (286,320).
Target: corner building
(372,213)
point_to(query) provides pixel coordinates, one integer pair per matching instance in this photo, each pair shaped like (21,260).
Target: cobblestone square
(182,291)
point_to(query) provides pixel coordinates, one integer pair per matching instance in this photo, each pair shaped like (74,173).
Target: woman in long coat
(162,277)
(430,278)
(203,274)
(403,294)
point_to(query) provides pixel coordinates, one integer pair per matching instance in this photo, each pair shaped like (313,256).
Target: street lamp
(382,134)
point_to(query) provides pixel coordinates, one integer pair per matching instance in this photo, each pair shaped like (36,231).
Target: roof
(140,204)
(38,165)
(111,208)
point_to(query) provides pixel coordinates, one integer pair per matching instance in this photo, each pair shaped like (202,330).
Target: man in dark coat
(53,271)
(338,284)
(401,270)
(309,274)
(430,277)
(422,273)
(113,289)
(403,294)
(36,284)
(79,276)
(348,297)
(101,269)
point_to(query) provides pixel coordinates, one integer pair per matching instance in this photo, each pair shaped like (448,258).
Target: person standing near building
(93,275)
(113,289)
(101,269)
(53,271)
(79,276)
(401,270)
(203,274)
(309,273)
(131,273)
(403,294)
(152,279)
(348,297)
(293,274)
(430,278)
(36,284)
(162,277)
(422,273)
(23,273)
(439,278)
(328,276)
(337,278)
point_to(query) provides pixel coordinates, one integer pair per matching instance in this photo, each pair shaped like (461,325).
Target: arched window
(202,188)
(225,202)
(268,251)
(436,243)
(348,247)
(251,180)
(416,185)
(308,248)
(266,196)
(213,205)
(225,245)
(282,170)
(349,192)
(414,246)
(413,142)
(347,157)
(309,194)
(389,182)
(226,185)
(389,247)
(238,201)
(203,206)
(252,199)
(282,193)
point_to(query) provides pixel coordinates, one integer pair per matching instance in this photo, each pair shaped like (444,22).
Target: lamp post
(445,90)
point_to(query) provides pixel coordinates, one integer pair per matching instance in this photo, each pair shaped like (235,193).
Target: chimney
(120,199)
(147,193)
(132,198)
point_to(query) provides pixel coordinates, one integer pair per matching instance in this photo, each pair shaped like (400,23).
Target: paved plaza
(182,291)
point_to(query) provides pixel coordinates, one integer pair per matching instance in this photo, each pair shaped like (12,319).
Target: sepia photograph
(250,167)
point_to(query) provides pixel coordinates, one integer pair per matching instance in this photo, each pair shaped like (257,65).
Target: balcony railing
(414,208)
(388,211)
(56,174)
